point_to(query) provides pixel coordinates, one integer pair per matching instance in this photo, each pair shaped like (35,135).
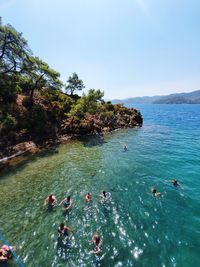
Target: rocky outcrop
(100,123)
(103,123)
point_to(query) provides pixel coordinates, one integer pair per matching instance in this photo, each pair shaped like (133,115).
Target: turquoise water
(137,229)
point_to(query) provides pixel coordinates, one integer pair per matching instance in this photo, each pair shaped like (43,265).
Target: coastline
(14,155)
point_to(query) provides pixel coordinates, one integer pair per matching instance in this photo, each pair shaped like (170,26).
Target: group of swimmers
(51,201)
(5,254)
(63,230)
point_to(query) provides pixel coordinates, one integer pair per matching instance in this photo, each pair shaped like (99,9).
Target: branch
(4,46)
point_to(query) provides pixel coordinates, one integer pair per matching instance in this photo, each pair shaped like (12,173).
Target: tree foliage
(14,50)
(19,67)
(39,75)
(87,104)
(74,84)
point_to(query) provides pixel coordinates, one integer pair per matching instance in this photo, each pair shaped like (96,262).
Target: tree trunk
(32,91)
(31,97)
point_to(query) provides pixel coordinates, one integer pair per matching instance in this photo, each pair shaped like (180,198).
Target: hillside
(137,100)
(180,98)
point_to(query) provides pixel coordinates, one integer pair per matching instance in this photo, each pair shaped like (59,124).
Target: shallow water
(137,229)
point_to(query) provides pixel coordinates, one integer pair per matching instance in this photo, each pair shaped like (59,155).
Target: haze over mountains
(180,98)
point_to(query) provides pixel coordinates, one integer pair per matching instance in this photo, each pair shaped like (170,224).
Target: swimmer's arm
(101,196)
(70,204)
(61,202)
(55,201)
(158,194)
(69,229)
(45,202)
(97,250)
(60,233)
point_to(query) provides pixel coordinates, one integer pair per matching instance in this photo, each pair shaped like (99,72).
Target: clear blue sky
(123,47)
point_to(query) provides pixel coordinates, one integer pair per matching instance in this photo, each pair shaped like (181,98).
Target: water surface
(137,229)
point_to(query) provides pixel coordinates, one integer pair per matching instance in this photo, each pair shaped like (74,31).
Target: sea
(136,228)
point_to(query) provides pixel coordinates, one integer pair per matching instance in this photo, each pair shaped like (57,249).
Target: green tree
(74,84)
(14,53)
(87,104)
(19,67)
(40,75)
(14,50)
(9,87)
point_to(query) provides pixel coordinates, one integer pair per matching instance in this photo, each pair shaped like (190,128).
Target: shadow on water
(90,141)
(21,162)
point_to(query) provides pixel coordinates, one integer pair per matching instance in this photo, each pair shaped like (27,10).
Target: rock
(25,147)
(19,149)
(106,129)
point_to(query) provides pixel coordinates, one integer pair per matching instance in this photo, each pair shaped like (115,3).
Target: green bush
(8,122)
(9,85)
(107,114)
(89,103)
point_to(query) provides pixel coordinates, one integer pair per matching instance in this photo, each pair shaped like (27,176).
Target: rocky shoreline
(71,129)
(13,155)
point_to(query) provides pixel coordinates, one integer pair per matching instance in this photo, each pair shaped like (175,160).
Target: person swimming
(97,241)
(174,182)
(63,230)
(155,193)
(5,254)
(88,197)
(50,201)
(67,203)
(125,147)
(103,196)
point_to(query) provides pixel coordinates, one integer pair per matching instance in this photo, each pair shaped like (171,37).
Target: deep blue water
(137,229)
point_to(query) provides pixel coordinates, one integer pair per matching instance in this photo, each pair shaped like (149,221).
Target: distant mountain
(180,98)
(137,100)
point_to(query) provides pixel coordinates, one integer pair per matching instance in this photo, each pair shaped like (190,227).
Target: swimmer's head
(175,182)
(62,225)
(154,190)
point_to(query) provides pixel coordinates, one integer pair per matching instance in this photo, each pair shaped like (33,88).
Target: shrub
(8,123)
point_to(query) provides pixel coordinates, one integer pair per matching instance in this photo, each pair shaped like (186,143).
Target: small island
(35,110)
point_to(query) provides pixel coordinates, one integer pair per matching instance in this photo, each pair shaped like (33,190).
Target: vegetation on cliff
(33,105)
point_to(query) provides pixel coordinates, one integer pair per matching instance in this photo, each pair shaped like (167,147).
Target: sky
(126,48)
